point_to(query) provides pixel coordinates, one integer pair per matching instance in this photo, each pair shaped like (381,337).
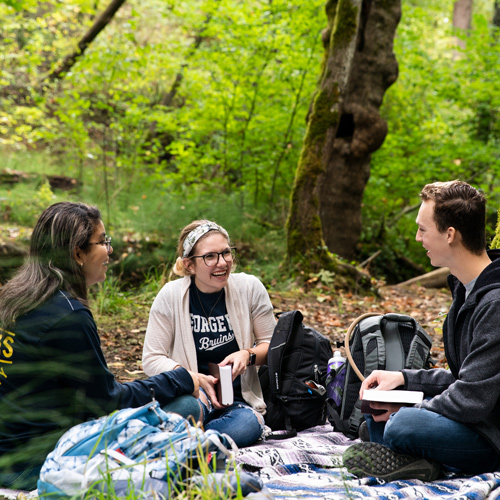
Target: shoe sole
(376,460)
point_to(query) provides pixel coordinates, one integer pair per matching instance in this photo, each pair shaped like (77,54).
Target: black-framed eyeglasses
(212,258)
(107,242)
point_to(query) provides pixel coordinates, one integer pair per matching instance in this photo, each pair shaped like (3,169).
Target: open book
(224,386)
(407,398)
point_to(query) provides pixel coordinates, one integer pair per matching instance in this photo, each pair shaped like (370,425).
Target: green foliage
(236,120)
(443,124)
(181,110)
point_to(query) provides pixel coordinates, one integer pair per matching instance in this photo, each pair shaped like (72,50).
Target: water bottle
(336,385)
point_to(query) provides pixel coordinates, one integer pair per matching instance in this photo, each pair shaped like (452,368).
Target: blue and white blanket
(309,466)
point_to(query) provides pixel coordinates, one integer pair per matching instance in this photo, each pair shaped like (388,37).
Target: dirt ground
(329,313)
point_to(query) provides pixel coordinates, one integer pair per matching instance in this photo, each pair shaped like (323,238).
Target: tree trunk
(361,130)
(434,279)
(101,22)
(496,14)
(343,128)
(462,18)
(304,232)
(462,14)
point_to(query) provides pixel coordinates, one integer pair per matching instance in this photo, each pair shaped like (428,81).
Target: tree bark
(462,18)
(304,231)
(462,14)
(361,130)
(344,128)
(434,279)
(101,22)
(496,14)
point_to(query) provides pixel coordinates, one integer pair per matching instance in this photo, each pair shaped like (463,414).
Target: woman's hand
(239,360)
(207,383)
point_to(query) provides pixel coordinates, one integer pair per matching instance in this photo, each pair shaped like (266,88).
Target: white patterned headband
(197,233)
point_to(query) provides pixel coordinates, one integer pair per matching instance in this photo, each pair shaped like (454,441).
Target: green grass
(144,220)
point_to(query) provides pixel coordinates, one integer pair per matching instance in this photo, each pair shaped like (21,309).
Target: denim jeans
(238,421)
(187,406)
(420,432)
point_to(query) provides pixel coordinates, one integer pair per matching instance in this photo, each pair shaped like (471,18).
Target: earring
(81,264)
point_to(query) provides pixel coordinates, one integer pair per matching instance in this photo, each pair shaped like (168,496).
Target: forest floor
(330,314)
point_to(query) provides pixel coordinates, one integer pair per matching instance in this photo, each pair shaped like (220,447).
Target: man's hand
(389,408)
(382,380)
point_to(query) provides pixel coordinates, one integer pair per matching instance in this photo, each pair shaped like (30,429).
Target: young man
(458,424)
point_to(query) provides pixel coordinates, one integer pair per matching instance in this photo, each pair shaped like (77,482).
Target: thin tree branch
(101,22)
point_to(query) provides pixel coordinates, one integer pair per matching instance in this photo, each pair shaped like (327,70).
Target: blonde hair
(179,269)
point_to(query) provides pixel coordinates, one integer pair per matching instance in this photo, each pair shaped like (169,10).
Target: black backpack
(293,381)
(375,342)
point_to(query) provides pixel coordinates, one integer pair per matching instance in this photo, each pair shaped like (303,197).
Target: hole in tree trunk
(346,125)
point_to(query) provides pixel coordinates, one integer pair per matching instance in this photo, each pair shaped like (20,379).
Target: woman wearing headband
(213,315)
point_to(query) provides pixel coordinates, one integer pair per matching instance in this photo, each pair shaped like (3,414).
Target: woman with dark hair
(53,374)
(213,315)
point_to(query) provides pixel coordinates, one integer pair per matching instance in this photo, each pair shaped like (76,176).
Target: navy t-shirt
(212,331)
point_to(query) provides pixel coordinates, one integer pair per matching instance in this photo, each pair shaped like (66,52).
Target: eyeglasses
(212,258)
(107,242)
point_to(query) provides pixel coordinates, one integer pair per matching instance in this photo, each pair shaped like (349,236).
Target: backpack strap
(394,353)
(348,340)
(372,340)
(419,351)
(349,426)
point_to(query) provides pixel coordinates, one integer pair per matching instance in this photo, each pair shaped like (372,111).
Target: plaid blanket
(309,466)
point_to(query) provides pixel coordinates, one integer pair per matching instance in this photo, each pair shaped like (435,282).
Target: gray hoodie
(469,392)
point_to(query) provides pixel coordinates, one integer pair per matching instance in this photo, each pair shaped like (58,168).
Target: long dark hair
(50,265)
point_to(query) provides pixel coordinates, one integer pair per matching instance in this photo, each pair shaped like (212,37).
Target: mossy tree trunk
(343,128)
(496,14)
(496,240)
(361,130)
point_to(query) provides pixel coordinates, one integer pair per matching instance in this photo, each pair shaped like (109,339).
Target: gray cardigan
(469,392)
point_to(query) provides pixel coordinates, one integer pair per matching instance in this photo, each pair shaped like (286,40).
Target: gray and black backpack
(375,342)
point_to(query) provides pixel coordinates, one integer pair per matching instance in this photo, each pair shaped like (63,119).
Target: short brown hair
(461,206)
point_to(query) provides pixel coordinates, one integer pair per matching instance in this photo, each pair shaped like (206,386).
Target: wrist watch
(252,357)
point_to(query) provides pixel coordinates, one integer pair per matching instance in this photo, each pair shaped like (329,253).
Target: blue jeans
(423,433)
(187,406)
(238,421)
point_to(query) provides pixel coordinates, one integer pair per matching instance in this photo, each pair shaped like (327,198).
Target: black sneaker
(364,433)
(376,460)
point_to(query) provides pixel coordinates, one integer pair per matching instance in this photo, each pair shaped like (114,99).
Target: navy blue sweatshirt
(53,375)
